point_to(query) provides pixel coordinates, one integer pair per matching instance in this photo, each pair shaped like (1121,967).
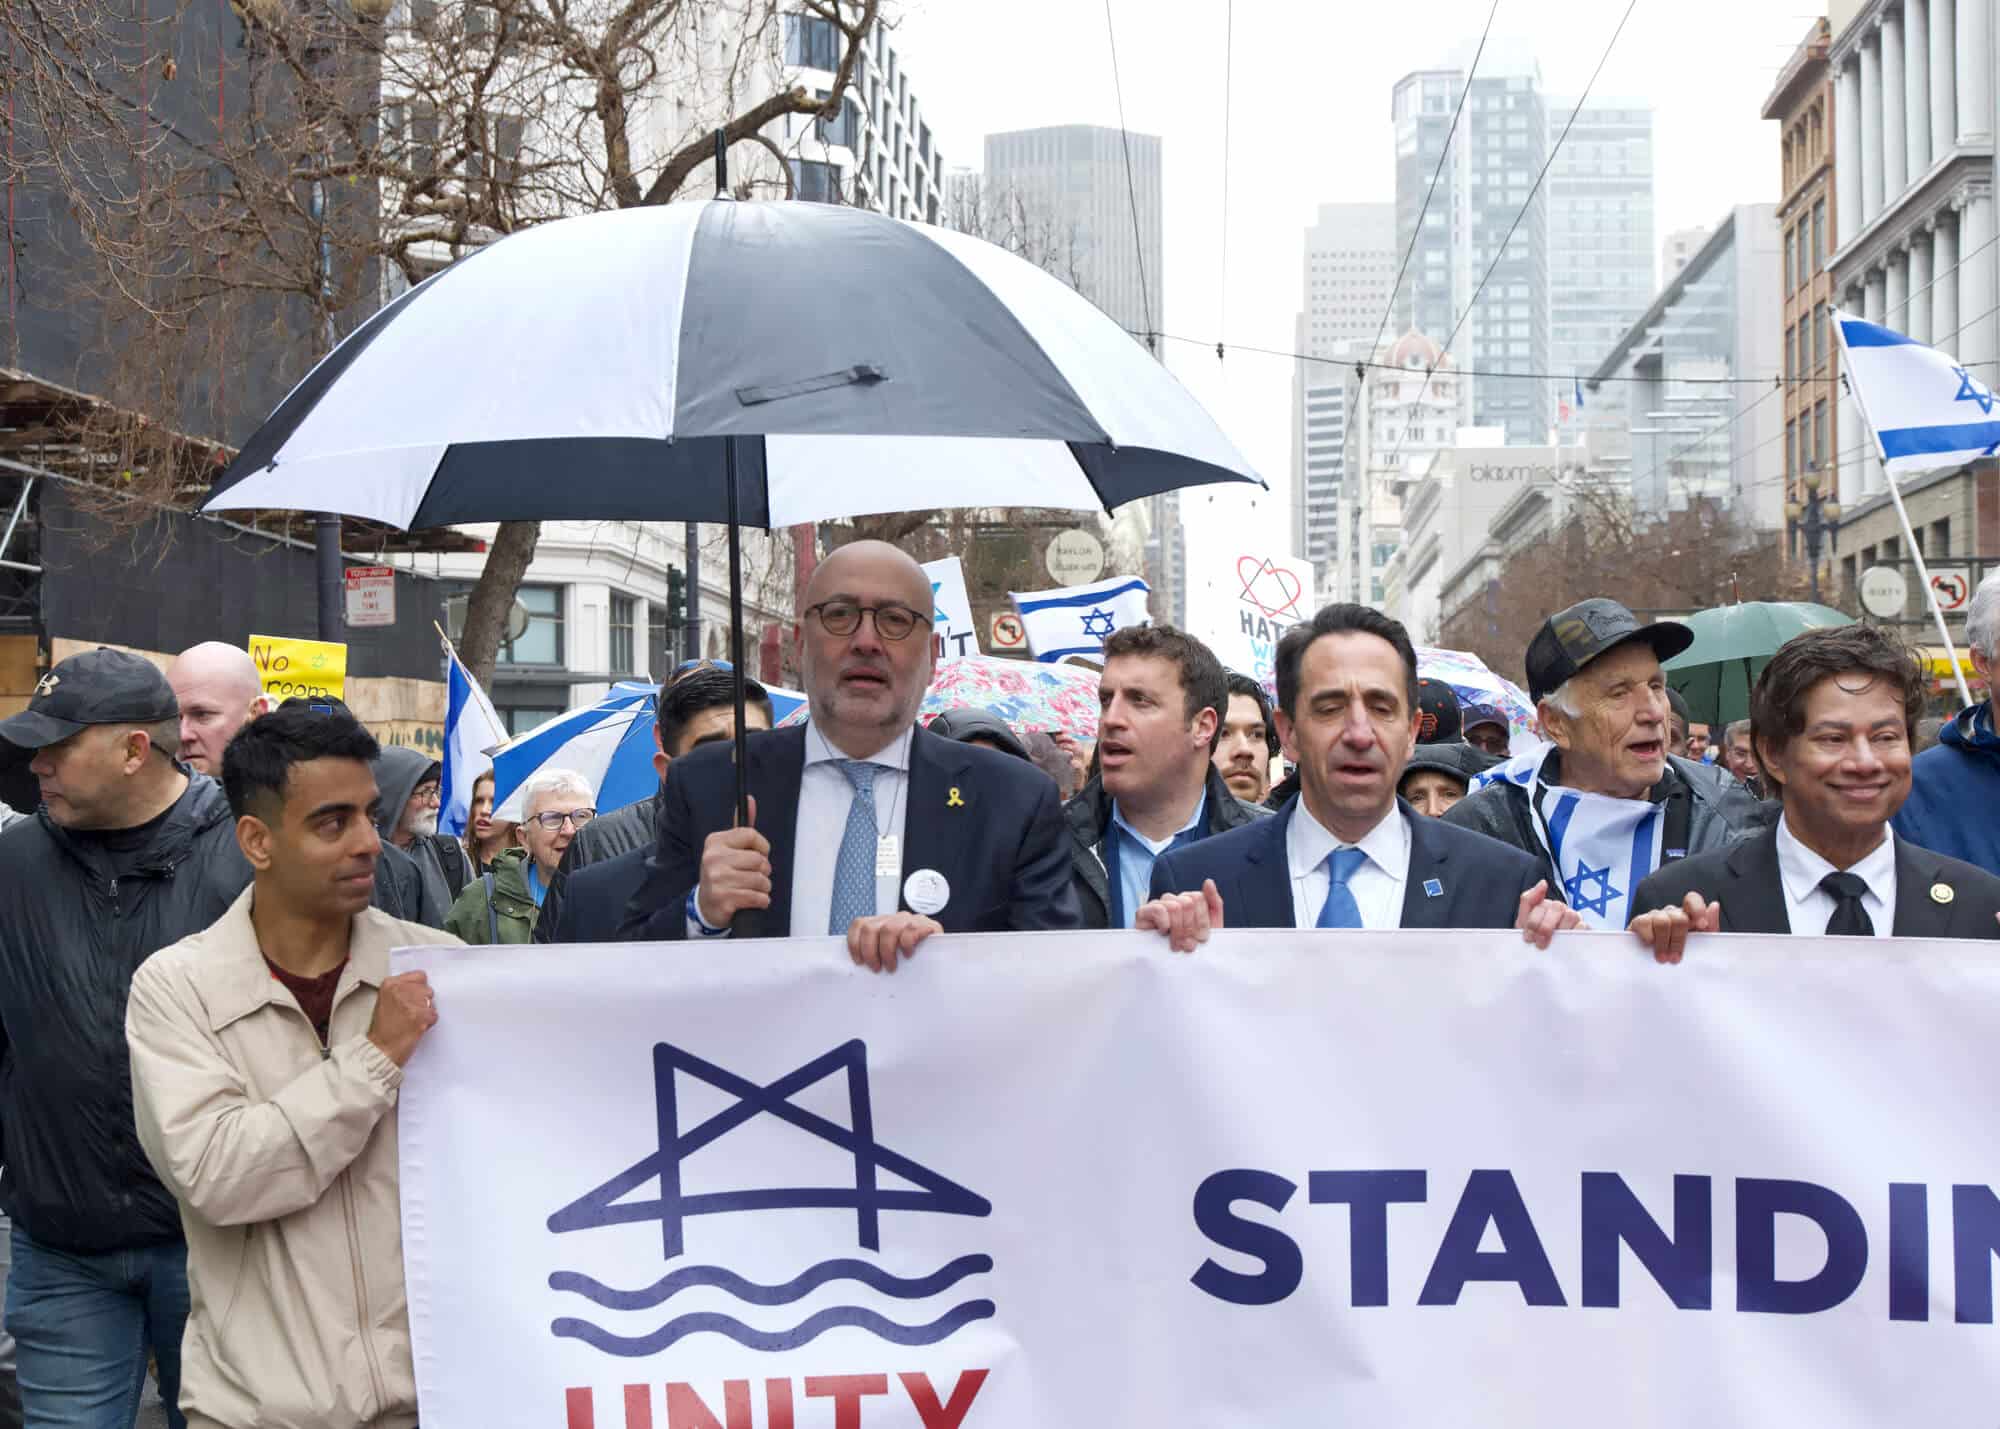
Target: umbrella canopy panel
(1732,645)
(610,744)
(592,367)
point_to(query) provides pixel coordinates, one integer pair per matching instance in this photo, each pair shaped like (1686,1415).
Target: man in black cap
(129,852)
(1440,720)
(1679,717)
(1608,804)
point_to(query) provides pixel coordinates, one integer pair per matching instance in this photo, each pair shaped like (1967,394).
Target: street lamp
(1813,517)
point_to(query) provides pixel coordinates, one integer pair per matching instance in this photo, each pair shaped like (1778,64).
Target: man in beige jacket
(266,1053)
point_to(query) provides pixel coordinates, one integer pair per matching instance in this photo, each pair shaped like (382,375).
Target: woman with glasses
(502,904)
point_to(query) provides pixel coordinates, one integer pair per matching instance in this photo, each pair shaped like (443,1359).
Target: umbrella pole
(749,922)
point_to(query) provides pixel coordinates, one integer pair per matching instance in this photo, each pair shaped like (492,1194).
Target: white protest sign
(954,607)
(1242,595)
(1292,1180)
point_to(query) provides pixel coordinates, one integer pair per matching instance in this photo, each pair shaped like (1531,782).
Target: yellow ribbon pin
(954,802)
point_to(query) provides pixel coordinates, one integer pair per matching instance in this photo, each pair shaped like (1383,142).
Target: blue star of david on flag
(1927,409)
(1099,623)
(1585,874)
(1971,389)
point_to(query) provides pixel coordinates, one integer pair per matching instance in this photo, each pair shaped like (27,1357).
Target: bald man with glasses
(862,824)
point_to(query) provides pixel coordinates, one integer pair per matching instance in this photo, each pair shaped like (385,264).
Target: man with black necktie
(1346,852)
(1831,722)
(860,822)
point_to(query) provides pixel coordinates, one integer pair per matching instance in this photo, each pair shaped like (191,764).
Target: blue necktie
(854,870)
(1341,911)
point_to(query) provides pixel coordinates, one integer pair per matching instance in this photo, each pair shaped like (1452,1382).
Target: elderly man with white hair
(1955,784)
(1607,805)
(502,904)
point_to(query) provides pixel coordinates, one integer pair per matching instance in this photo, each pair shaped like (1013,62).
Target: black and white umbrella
(597,367)
(760,364)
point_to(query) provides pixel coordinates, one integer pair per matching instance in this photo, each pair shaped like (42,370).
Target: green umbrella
(1732,644)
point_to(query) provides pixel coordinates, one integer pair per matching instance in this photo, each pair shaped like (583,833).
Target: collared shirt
(825,795)
(1377,885)
(1131,856)
(1810,907)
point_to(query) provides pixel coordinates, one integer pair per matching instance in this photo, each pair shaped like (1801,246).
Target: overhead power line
(1131,189)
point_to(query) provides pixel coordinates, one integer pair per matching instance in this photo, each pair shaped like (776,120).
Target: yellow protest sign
(300,667)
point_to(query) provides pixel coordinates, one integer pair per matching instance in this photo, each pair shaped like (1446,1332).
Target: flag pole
(1903,515)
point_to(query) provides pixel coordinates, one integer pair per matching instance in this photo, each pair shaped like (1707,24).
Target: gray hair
(554,781)
(1982,618)
(1736,727)
(1563,697)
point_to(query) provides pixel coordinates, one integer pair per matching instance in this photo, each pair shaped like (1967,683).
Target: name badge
(888,856)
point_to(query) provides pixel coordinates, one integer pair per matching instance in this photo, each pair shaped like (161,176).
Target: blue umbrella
(609,743)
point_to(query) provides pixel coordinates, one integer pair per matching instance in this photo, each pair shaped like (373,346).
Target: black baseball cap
(1460,761)
(1440,720)
(100,686)
(966,724)
(1571,639)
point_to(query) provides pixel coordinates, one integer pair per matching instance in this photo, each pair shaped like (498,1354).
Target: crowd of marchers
(203,1040)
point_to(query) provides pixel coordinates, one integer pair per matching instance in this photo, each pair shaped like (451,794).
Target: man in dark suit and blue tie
(1346,852)
(1831,723)
(861,823)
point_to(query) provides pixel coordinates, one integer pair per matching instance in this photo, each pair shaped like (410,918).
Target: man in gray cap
(1608,804)
(130,852)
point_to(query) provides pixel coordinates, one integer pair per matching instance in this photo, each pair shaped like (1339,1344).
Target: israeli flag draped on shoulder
(1601,847)
(1074,620)
(471,728)
(1928,410)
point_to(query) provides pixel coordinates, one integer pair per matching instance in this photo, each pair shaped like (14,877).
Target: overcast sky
(1309,124)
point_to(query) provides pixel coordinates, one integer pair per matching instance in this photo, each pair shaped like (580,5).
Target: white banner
(1242,596)
(1070,1179)
(953,607)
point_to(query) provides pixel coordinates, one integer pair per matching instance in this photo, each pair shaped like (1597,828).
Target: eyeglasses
(843,617)
(427,794)
(554,819)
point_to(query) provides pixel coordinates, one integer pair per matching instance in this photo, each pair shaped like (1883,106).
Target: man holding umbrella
(861,823)
(1608,804)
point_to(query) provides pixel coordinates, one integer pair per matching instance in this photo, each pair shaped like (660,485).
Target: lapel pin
(1433,888)
(927,891)
(1942,893)
(954,801)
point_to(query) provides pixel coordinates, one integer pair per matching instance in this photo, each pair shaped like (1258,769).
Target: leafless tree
(342,151)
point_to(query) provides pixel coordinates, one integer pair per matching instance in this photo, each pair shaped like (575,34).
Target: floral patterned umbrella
(1477,686)
(1060,699)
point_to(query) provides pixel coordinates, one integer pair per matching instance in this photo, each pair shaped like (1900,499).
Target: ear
(262,705)
(659,761)
(1555,724)
(1202,731)
(138,746)
(1770,764)
(1416,727)
(1286,730)
(254,838)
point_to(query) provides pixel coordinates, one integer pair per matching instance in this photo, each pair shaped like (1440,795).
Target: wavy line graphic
(915,1288)
(840,1316)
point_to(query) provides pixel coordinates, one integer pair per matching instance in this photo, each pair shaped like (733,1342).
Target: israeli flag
(1074,620)
(471,728)
(1927,410)
(1602,847)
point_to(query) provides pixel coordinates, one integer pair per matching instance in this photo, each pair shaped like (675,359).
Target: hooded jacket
(1707,808)
(71,936)
(507,915)
(1954,786)
(1089,814)
(439,859)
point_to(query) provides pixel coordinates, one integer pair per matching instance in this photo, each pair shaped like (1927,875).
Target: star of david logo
(1971,389)
(1585,874)
(938,615)
(605,1205)
(1099,623)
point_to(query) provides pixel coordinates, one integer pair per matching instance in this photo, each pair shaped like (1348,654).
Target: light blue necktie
(1341,911)
(854,870)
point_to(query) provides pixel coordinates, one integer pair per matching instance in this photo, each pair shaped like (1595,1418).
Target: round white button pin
(926,892)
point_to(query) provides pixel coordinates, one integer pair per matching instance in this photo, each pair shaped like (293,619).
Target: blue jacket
(1954,789)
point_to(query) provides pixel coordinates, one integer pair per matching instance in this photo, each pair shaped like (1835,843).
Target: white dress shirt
(825,796)
(1377,885)
(1810,907)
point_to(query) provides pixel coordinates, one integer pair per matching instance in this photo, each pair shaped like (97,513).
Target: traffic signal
(677,596)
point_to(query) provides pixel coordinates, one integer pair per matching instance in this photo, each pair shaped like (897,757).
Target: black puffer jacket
(618,832)
(71,937)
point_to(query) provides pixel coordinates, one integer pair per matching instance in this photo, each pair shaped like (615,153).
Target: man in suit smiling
(861,823)
(1346,852)
(1831,723)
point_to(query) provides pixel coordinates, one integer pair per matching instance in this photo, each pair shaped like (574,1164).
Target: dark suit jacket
(598,893)
(1001,845)
(1457,879)
(1744,879)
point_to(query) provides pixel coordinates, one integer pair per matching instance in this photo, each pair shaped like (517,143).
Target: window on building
(542,642)
(1790,281)
(624,613)
(1791,448)
(1820,452)
(811,41)
(820,183)
(659,659)
(423,138)
(1819,335)
(1819,235)
(843,131)
(1791,355)
(423,15)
